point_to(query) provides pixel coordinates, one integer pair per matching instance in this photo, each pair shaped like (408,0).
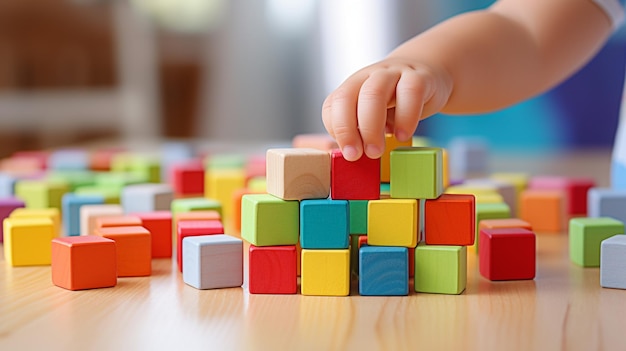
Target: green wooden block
(195,204)
(489,211)
(40,194)
(225,161)
(586,235)
(118,180)
(146,168)
(358,216)
(111,195)
(267,220)
(440,269)
(416,173)
(73,178)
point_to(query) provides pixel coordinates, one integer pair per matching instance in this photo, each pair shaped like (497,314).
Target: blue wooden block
(468,157)
(324,224)
(148,197)
(71,204)
(7,185)
(69,160)
(383,271)
(213,261)
(613,262)
(606,202)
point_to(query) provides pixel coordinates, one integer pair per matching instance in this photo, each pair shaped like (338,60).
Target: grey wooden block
(147,197)
(606,202)
(213,261)
(613,262)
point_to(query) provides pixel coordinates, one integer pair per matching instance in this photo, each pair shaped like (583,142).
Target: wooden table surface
(563,308)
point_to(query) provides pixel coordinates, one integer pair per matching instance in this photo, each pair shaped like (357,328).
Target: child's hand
(389,96)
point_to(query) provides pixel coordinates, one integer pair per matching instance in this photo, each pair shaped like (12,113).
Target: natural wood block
(194,228)
(272,270)
(133,248)
(383,271)
(585,236)
(321,141)
(84,262)
(7,206)
(439,229)
(71,204)
(489,211)
(187,178)
(507,254)
(574,188)
(358,216)
(504,223)
(440,269)
(89,214)
(213,261)
(268,220)
(393,222)
(358,180)
(416,173)
(118,221)
(325,272)
(613,262)
(391,143)
(39,194)
(544,210)
(221,185)
(148,197)
(469,157)
(607,202)
(298,174)
(159,224)
(27,241)
(324,224)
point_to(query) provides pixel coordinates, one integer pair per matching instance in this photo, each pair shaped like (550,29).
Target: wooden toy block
(420,141)
(385,190)
(122,162)
(37,158)
(613,262)
(450,220)
(481,195)
(100,159)
(118,221)
(71,204)
(324,224)
(507,254)
(321,141)
(255,167)
(383,271)
(237,198)
(504,223)
(196,204)
(8,205)
(574,188)
(607,202)
(52,214)
(298,174)
(391,143)
(225,161)
(73,178)
(111,195)
(358,180)
(505,189)
(272,270)
(257,184)
(159,224)
(147,197)
(133,249)
(221,184)
(68,160)
(489,211)
(392,222)
(172,153)
(469,157)
(41,193)
(358,216)
(89,214)
(325,272)
(618,174)
(84,262)
(519,180)
(544,210)
(416,173)
(118,180)
(187,178)
(445,168)
(146,167)
(27,241)
(213,261)
(440,269)
(193,216)
(269,221)
(194,228)
(586,235)
(7,185)
(356,241)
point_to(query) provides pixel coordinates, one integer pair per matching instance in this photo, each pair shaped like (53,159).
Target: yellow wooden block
(445,168)
(325,272)
(392,222)
(28,241)
(257,184)
(519,180)
(390,144)
(51,213)
(483,194)
(221,184)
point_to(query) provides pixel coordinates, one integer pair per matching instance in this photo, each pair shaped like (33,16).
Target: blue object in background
(71,204)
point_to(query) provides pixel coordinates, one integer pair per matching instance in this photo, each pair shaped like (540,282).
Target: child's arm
(474,62)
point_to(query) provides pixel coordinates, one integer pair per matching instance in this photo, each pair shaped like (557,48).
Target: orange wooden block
(504,223)
(450,219)
(118,221)
(84,262)
(159,224)
(390,144)
(236,214)
(134,249)
(543,209)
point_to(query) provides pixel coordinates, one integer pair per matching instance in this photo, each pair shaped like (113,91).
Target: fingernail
(349,152)
(373,151)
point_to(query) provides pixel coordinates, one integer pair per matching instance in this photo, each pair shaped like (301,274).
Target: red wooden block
(134,249)
(575,189)
(450,220)
(272,270)
(39,158)
(507,254)
(194,228)
(187,178)
(358,180)
(84,262)
(159,224)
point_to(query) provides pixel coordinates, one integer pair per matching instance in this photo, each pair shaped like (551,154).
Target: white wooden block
(213,261)
(613,262)
(69,160)
(298,174)
(147,197)
(468,157)
(89,214)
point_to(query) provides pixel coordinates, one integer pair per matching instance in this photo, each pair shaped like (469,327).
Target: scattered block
(194,228)
(27,241)
(173,153)
(221,184)
(506,190)
(269,221)
(39,194)
(507,254)
(613,262)
(52,214)
(148,197)
(324,224)
(195,204)
(358,216)
(118,221)
(440,269)
(133,249)
(321,141)
(585,236)
(416,173)
(116,181)
(272,270)
(206,215)
(255,167)
(111,195)
(440,229)
(187,178)
(74,179)
(383,271)
(358,180)
(69,159)
(489,211)
(7,185)
(71,204)
(100,159)
(544,210)
(325,272)
(159,224)
(391,143)
(469,157)
(607,202)
(225,161)
(213,261)
(84,262)
(574,189)
(504,223)
(393,222)
(519,180)
(237,198)
(298,174)
(146,167)
(89,214)
(8,205)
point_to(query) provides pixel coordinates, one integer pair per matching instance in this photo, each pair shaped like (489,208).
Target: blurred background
(233,70)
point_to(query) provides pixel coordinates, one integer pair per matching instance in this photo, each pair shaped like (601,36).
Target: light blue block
(213,261)
(468,157)
(618,175)
(606,202)
(67,160)
(7,185)
(71,204)
(383,271)
(147,197)
(324,224)
(613,262)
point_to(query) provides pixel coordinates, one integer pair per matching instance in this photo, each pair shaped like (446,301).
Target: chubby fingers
(412,93)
